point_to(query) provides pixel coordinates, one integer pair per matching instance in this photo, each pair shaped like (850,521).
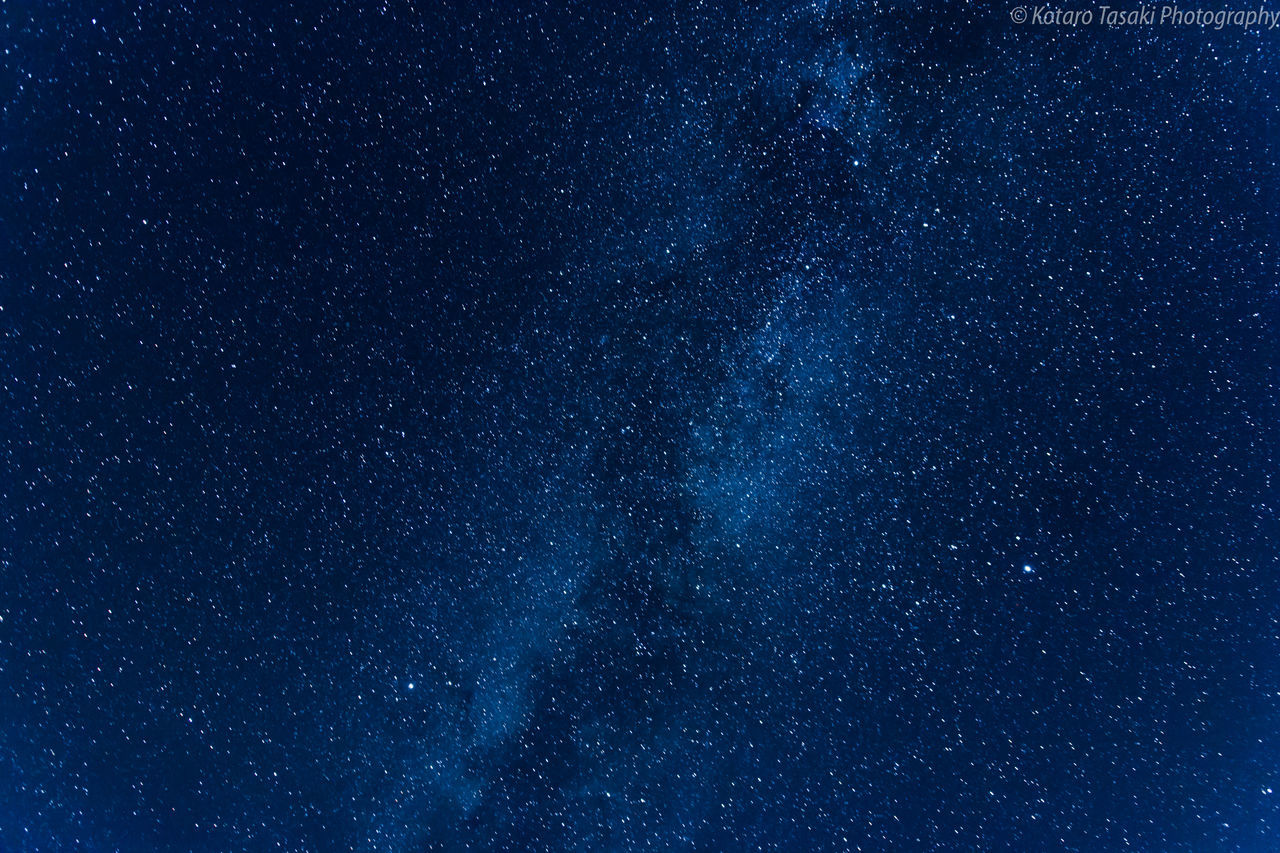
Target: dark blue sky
(687,427)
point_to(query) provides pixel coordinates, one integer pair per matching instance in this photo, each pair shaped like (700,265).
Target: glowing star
(411,685)
(1028,569)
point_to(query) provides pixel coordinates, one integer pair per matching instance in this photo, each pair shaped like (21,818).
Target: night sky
(664,427)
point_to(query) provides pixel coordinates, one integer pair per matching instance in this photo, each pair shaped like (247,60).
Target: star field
(664,427)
